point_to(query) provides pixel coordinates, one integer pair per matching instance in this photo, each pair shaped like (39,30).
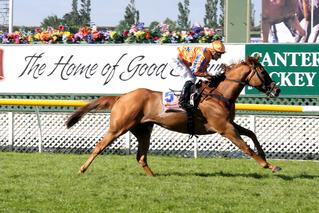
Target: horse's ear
(250,60)
(257,56)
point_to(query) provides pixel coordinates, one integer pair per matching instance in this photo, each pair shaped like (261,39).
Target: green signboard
(295,67)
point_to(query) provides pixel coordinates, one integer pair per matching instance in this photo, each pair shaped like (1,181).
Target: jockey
(192,62)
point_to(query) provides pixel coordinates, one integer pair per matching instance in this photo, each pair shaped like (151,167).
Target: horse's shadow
(246,175)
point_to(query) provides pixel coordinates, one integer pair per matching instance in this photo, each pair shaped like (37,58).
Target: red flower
(125,33)
(96,35)
(37,30)
(148,35)
(61,27)
(84,31)
(16,36)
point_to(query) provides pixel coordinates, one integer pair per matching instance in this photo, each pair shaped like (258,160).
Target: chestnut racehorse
(138,110)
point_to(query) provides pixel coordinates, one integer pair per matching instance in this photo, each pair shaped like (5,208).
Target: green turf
(50,183)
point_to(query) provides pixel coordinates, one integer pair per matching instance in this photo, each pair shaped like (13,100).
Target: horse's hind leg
(252,136)
(143,134)
(233,135)
(119,124)
(109,137)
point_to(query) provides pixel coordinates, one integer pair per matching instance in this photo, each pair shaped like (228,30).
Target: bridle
(228,101)
(246,82)
(266,87)
(255,72)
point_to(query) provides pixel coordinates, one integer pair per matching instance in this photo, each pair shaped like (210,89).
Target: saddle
(170,99)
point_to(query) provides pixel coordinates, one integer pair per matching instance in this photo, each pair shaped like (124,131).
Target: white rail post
(252,127)
(195,147)
(39,129)
(10,24)
(11,130)
(128,142)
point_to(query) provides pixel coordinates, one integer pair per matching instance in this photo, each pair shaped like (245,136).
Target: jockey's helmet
(218,46)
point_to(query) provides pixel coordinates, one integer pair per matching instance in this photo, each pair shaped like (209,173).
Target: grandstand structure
(6,15)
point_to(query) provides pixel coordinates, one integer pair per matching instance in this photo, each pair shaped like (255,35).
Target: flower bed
(86,35)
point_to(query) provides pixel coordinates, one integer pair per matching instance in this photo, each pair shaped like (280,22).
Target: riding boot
(185,97)
(184,103)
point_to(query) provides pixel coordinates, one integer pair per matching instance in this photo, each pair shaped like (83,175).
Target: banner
(94,69)
(294,67)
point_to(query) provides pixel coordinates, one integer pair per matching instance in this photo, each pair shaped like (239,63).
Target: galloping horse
(138,111)
(277,11)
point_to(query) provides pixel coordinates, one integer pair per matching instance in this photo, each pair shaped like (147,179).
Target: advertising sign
(95,69)
(294,67)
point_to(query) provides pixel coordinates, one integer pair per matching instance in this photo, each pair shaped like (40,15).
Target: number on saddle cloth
(170,99)
(170,102)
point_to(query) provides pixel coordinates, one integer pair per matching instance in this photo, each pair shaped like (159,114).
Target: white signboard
(94,69)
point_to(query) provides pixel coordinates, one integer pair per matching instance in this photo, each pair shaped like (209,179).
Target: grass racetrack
(31,182)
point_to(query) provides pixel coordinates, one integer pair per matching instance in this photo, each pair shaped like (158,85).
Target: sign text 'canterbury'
(290,59)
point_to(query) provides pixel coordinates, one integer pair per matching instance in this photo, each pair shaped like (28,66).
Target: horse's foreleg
(265,31)
(315,30)
(252,136)
(296,25)
(305,38)
(233,135)
(308,31)
(143,134)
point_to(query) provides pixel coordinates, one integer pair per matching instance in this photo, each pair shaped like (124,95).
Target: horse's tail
(101,103)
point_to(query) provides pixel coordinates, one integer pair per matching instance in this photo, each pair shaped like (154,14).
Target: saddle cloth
(170,101)
(170,97)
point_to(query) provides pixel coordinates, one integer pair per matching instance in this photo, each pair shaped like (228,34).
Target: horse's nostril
(277,93)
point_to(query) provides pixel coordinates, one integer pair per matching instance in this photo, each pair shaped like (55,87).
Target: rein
(244,83)
(229,101)
(237,81)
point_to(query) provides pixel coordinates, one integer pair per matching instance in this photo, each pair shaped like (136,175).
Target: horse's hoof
(276,169)
(81,171)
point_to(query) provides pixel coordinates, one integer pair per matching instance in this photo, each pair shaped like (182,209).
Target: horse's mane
(235,65)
